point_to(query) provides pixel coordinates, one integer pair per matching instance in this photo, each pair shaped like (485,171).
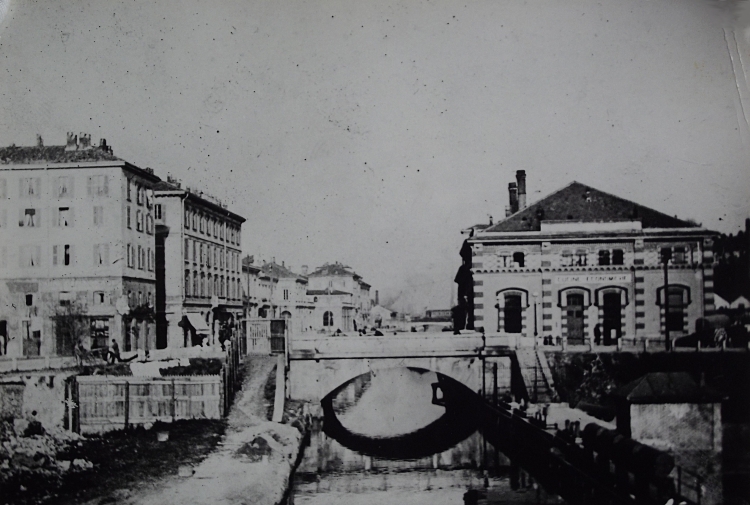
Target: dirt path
(251,466)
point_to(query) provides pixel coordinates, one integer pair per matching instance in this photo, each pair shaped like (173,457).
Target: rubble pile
(31,456)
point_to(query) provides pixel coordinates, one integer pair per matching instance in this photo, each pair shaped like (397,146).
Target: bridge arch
(313,380)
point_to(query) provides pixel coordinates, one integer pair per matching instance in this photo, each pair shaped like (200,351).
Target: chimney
(521,178)
(39,142)
(72,144)
(304,270)
(85,141)
(513,198)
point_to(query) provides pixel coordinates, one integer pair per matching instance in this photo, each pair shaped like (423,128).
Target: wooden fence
(264,336)
(101,403)
(108,403)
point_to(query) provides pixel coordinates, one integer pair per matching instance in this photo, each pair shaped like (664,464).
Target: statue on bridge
(463,313)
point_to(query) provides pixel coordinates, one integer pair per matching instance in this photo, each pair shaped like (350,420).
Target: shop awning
(196,321)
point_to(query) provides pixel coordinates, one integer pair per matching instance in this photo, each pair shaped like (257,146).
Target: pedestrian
(79,352)
(114,352)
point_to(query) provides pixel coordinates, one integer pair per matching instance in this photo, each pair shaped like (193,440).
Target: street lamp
(666,255)
(536,328)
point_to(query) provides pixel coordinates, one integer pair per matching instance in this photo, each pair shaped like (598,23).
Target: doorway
(612,318)
(574,315)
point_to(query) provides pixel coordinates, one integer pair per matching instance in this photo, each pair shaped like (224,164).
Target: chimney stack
(39,142)
(84,141)
(72,143)
(512,198)
(304,270)
(521,178)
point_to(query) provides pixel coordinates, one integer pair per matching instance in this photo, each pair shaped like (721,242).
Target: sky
(372,132)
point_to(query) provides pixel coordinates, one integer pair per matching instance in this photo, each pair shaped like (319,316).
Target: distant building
(255,293)
(581,258)
(341,297)
(78,247)
(289,298)
(199,269)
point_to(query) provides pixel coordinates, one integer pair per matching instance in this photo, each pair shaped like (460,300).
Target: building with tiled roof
(342,297)
(288,297)
(78,240)
(581,258)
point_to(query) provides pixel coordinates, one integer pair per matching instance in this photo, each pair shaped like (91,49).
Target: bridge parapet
(419,344)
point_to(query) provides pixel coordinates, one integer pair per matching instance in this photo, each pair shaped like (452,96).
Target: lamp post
(536,328)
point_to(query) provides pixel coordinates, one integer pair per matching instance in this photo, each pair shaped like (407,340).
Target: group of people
(111,354)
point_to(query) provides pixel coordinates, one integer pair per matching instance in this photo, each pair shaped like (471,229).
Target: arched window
(328,318)
(678,297)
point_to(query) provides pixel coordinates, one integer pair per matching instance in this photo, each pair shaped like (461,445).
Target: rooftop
(582,203)
(28,155)
(334,269)
(273,269)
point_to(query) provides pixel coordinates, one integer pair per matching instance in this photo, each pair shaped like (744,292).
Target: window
(678,255)
(209,286)
(604,257)
(129,186)
(152,260)
(140,258)
(65,297)
(209,250)
(30,256)
(581,258)
(101,255)
(675,313)
(98,215)
(127,215)
(567,259)
(29,300)
(518,259)
(64,217)
(187,219)
(30,218)
(98,297)
(131,256)
(65,186)
(139,194)
(99,331)
(328,318)
(196,291)
(209,225)
(98,185)
(216,257)
(187,283)
(149,224)
(203,285)
(618,257)
(195,222)
(31,187)
(222,293)
(157,211)
(195,252)
(201,220)
(286,294)
(138,220)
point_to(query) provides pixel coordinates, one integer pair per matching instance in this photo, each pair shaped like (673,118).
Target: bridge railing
(413,344)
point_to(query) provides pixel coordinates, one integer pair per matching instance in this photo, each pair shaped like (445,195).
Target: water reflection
(389,414)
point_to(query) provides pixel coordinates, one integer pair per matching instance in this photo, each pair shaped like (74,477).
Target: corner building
(581,257)
(77,240)
(198,267)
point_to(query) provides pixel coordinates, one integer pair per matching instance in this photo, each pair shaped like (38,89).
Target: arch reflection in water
(390,415)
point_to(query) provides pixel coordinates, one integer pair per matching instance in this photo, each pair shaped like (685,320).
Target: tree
(71,324)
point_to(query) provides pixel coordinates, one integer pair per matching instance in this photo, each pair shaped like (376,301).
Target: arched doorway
(513,313)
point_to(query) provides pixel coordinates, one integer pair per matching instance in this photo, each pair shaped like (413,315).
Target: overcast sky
(372,132)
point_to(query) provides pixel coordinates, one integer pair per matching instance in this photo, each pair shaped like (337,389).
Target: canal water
(382,441)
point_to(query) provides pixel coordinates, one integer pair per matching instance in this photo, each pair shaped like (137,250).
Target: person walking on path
(114,352)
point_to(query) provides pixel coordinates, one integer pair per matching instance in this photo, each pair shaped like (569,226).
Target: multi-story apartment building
(288,297)
(581,258)
(342,298)
(198,266)
(77,246)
